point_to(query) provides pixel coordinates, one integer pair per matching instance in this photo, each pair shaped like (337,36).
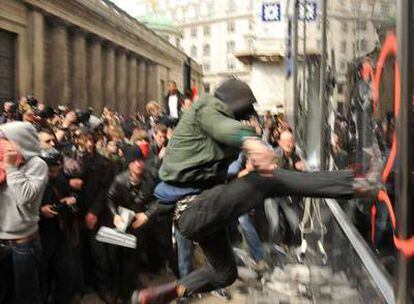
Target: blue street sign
(271,11)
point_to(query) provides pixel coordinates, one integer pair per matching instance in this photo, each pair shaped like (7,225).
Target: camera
(47,113)
(60,208)
(120,144)
(32,102)
(83,117)
(51,157)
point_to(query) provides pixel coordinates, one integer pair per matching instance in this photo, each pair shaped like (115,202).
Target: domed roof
(156,22)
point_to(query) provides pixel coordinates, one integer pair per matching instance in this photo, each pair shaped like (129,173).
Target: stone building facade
(212,31)
(85,53)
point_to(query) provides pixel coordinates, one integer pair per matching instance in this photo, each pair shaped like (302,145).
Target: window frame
(231,26)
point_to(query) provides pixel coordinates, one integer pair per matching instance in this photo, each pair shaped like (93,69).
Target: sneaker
(261,266)
(155,295)
(223,294)
(370,183)
(367,189)
(376,167)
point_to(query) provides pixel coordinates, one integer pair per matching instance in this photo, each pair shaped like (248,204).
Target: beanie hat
(238,96)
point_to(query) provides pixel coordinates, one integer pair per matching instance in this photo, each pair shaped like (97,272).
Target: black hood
(238,96)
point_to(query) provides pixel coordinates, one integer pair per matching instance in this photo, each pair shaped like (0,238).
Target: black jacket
(136,198)
(180,102)
(97,176)
(153,162)
(66,220)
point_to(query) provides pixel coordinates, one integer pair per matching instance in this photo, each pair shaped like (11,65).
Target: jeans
(282,212)
(253,241)
(20,273)
(185,250)
(271,208)
(205,219)
(382,224)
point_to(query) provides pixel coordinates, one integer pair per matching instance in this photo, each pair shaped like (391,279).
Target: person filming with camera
(59,232)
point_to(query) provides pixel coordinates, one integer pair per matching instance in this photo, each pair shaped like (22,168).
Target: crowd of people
(94,163)
(64,172)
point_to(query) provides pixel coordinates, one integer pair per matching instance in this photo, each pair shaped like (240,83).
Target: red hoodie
(145,148)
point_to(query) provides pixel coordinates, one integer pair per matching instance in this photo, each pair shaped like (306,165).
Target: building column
(109,76)
(132,84)
(95,75)
(37,52)
(121,80)
(59,65)
(79,80)
(152,81)
(142,85)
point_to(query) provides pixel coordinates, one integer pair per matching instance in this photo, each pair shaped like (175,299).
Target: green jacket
(206,140)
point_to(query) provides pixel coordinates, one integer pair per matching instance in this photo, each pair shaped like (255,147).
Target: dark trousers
(19,273)
(59,267)
(161,254)
(131,265)
(204,221)
(105,259)
(118,269)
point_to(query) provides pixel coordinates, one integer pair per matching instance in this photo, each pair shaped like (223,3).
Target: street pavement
(151,280)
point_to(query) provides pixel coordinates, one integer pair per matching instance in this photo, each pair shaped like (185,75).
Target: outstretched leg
(214,208)
(329,184)
(205,218)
